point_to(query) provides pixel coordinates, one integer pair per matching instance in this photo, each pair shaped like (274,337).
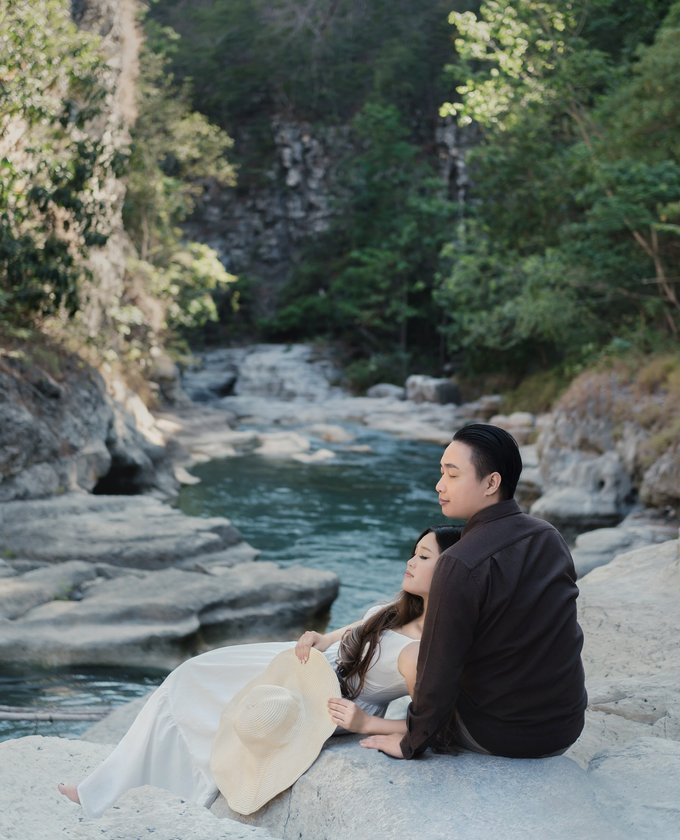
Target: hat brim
(247,781)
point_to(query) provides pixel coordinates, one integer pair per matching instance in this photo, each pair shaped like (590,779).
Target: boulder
(61,430)
(661,482)
(330,433)
(630,614)
(285,371)
(281,444)
(350,793)
(639,529)
(385,390)
(481,410)
(156,619)
(530,485)
(134,531)
(196,434)
(629,753)
(585,482)
(321,456)
(520,424)
(428,389)
(31,807)
(165,373)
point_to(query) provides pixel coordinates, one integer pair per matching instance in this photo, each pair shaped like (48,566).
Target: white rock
(157,619)
(352,793)
(521,425)
(133,531)
(630,614)
(185,477)
(583,490)
(31,807)
(321,456)
(199,433)
(530,485)
(281,444)
(428,389)
(284,371)
(385,390)
(330,433)
(585,482)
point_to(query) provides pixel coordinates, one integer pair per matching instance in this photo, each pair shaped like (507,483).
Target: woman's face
(420,567)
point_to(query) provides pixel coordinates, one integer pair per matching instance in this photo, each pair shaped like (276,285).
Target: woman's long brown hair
(359,644)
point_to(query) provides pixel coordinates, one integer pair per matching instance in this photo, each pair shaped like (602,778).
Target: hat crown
(268,717)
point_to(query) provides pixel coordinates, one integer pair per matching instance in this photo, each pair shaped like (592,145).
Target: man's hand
(306,642)
(389,744)
(348,715)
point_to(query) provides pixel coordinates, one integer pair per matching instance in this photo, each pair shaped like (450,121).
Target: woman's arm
(351,717)
(312,639)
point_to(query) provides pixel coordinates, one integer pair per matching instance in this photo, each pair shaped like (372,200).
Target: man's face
(461,493)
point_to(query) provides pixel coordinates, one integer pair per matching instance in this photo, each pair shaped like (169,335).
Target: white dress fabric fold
(169,743)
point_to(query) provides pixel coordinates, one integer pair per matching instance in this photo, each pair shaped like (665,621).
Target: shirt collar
(490,514)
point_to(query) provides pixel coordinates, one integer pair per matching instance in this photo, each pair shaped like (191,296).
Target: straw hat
(273,730)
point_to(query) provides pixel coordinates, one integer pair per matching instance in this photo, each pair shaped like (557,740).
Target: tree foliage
(52,168)
(573,243)
(175,151)
(370,280)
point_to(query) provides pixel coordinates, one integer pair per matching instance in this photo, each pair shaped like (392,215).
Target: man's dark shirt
(501,641)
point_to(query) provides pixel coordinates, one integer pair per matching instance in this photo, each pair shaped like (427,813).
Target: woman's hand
(307,641)
(389,744)
(349,715)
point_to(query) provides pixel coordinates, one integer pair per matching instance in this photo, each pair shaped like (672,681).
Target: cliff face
(60,429)
(114,22)
(259,229)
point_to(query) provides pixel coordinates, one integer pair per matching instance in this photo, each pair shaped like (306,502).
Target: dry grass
(643,390)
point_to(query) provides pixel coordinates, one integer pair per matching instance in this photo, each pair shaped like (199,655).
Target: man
(499,668)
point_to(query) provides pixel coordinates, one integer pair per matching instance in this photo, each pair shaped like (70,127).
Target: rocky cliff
(259,229)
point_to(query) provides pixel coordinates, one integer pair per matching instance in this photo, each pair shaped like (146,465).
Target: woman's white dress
(169,743)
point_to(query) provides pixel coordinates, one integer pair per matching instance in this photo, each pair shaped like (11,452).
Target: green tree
(174,152)
(370,279)
(51,164)
(554,188)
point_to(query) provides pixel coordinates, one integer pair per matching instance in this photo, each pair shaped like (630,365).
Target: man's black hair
(493,450)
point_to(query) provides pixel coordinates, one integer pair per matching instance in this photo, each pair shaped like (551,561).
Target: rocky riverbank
(121,580)
(621,779)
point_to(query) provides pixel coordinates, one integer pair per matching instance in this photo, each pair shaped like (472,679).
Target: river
(357,515)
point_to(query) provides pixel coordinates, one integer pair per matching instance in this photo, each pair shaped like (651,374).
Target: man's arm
(450,621)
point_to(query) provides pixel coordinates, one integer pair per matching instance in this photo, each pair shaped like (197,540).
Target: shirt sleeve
(450,621)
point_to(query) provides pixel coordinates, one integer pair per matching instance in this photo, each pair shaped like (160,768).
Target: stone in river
(134,531)
(158,619)
(321,456)
(330,433)
(428,389)
(31,807)
(281,444)
(385,390)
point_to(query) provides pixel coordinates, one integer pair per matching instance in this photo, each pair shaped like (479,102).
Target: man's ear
(493,484)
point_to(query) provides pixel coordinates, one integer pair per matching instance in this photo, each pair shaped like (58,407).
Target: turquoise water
(357,515)
(67,688)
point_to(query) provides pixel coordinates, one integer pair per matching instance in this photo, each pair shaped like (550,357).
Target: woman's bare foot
(69,791)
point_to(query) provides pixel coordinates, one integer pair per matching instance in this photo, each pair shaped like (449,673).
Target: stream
(357,515)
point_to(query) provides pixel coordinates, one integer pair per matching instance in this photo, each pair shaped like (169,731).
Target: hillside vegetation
(566,250)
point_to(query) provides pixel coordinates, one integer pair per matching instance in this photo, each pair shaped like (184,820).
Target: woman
(169,743)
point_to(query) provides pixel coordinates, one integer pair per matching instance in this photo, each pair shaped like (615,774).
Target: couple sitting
(484,638)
